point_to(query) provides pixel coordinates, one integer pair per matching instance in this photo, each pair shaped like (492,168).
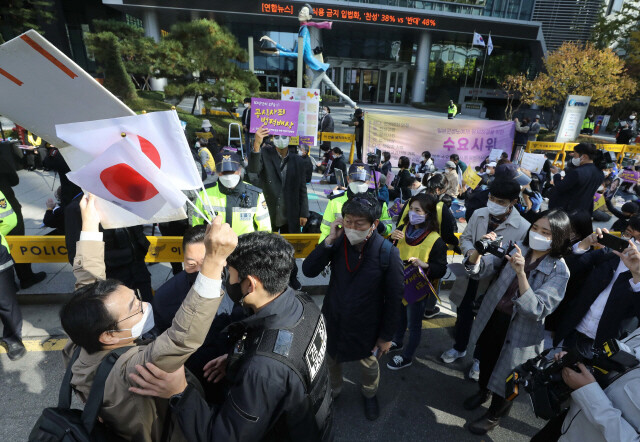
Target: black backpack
(64,424)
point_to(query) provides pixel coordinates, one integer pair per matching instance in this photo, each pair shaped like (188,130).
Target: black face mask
(235,292)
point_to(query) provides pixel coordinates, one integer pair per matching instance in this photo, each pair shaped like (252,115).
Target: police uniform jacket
(360,306)
(264,397)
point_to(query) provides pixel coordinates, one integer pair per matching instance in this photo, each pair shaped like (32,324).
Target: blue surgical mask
(415,218)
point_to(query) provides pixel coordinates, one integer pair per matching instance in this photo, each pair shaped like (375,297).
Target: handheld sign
(42,87)
(471,178)
(533,162)
(598,201)
(280,117)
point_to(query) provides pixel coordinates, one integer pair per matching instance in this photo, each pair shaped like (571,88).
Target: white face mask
(539,242)
(280,141)
(632,117)
(496,209)
(144,325)
(356,237)
(358,187)
(575,161)
(229,181)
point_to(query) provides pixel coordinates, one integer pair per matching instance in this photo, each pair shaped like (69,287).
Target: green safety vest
(8,218)
(243,219)
(453,110)
(588,124)
(334,210)
(5,259)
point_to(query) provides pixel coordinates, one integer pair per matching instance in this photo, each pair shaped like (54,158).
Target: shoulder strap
(385,254)
(64,397)
(94,401)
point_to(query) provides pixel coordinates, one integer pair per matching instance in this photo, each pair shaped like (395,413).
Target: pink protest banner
(472,140)
(281,117)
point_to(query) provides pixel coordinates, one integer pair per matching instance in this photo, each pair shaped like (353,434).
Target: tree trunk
(195,101)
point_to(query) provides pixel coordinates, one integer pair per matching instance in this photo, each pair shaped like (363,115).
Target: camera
(542,378)
(373,159)
(485,245)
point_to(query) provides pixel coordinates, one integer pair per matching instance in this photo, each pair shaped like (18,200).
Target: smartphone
(613,242)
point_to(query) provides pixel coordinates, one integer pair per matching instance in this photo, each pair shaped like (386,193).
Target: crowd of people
(228,348)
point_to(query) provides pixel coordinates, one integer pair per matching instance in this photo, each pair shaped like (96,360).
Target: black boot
(499,407)
(473,402)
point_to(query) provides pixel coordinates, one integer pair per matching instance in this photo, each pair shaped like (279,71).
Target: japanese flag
(477,40)
(130,178)
(489,46)
(159,135)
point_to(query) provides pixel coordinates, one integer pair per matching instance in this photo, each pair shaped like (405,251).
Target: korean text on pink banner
(280,117)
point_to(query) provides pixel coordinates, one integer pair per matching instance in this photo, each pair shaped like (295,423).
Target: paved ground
(422,402)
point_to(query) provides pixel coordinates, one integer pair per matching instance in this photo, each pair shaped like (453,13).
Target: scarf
(319,24)
(414,235)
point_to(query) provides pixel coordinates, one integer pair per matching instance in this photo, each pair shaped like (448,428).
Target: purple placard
(629,176)
(394,209)
(416,284)
(281,117)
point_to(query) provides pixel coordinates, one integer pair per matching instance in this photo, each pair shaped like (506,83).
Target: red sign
(355,15)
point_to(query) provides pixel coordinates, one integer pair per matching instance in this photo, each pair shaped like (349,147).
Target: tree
(107,51)
(18,16)
(203,60)
(518,89)
(614,30)
(580,70)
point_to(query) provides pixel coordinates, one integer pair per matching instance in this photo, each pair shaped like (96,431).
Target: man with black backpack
(104,316)
(362,304)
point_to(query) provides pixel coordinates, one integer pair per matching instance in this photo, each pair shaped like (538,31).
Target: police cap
(227,161)
(359,172)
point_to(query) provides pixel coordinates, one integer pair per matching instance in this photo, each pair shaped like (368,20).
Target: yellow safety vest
(34,141)
(588,124)
(334,210)
(8,217)
(210,164)
(243,219)
(452,110)
(8,262)
(420,251)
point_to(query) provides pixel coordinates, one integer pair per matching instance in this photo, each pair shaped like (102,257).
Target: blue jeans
(411,317)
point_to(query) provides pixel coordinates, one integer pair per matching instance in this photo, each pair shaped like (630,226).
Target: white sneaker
(474,373)
(451,355)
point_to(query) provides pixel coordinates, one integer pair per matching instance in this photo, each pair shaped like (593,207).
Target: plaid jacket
(526,332)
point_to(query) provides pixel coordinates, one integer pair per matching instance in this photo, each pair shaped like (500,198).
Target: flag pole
(199,211)
(466,72)
(486,49)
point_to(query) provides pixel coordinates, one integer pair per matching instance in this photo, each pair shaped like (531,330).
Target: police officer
(277,368)
(240,204)
(452,110)
(359,175)
(9,309)
(11,223)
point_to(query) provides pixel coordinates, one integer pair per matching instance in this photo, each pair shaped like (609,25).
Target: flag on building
(477,40)
(489,46)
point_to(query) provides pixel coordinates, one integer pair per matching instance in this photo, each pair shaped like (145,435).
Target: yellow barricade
(562,148)
(51,249)
(340,138)
(45,249)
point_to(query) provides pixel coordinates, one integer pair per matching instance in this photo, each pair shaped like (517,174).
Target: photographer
(500,218)
(607,305)
(599,414)
(509,328)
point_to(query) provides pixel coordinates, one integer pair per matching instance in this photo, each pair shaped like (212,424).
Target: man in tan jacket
(104,315)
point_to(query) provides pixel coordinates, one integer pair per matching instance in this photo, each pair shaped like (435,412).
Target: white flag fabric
(126,177)
(489,46)
(158,134)
(477,40)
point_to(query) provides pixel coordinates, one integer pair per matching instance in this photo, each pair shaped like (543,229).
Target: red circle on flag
(126,184)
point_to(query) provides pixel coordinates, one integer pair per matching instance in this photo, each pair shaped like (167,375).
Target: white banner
(575,109)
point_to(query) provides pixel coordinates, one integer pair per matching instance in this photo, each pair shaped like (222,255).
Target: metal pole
(486,49)
(250,49)
(300,61)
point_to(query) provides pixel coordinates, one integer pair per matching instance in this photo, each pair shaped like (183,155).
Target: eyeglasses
(139,298)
